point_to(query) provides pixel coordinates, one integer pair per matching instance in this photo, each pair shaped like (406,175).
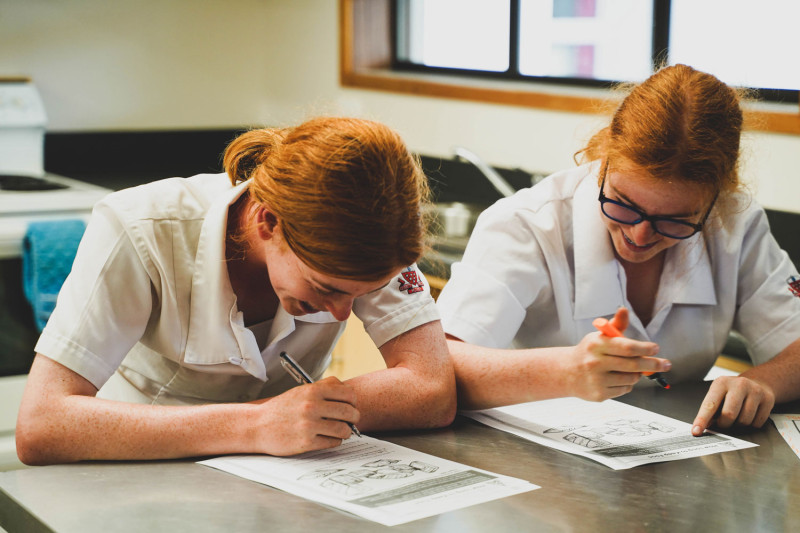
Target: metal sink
(451,226)
(453,222)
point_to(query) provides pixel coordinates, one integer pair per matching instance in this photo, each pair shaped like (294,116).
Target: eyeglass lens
(626,215)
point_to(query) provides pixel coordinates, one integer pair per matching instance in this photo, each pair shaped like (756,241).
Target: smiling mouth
(633,246)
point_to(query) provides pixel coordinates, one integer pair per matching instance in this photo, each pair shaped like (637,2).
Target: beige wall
(166,64)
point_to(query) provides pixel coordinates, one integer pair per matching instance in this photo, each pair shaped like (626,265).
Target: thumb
(620,320)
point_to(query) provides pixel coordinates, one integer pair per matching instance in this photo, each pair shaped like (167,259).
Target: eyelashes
(322,292)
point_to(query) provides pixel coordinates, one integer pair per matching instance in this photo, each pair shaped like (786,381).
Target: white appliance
(27,193)
(22,124)
(18,208)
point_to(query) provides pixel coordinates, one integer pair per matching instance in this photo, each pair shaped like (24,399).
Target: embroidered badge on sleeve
(410,281)
(794,285)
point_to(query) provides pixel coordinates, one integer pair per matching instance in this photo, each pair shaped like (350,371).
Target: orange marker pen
(607,328)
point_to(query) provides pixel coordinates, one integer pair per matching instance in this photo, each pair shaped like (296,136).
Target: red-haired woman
(166,337)
(653,231)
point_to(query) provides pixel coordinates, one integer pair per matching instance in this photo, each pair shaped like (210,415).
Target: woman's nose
(340,307)
(642,232)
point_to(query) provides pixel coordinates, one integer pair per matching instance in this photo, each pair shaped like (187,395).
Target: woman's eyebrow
(634,204)
(329,288)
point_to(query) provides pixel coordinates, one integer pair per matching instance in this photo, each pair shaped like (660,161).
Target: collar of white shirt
(599,291)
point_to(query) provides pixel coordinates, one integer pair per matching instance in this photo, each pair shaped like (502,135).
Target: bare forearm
(62,420)
(416,390)
(489,377)
(397,398)
(87,428)
(781,373)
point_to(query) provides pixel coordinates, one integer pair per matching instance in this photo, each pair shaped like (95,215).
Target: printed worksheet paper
(789,428)
(377,480)
(615,434)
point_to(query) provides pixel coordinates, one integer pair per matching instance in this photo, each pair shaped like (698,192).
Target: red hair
(680,124)
(347,192)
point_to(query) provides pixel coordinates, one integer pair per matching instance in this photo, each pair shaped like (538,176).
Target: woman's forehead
(647,192)
(346,286)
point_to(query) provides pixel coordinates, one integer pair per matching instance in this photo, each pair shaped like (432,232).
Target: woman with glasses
(653,232)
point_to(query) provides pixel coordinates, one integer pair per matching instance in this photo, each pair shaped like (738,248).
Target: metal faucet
(491,174)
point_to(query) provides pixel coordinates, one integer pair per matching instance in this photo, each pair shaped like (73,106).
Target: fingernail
(697,431)
(666,365)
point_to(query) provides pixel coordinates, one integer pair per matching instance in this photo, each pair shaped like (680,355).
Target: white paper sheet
(789,428)
(377,480)
(615,434)
(717,371)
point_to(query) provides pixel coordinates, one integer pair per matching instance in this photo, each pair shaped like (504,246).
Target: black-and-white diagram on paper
(376,479)
(594,436)
(610,432)
(351,482)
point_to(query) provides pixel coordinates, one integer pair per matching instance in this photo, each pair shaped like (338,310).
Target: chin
(293,308)
(636,258)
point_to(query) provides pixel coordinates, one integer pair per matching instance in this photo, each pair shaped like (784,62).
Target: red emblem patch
(410,282)
(794,285)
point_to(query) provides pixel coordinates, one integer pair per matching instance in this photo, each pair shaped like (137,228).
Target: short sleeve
(479,309)
(104,305)
(501,275)
(404,304)
(768,314)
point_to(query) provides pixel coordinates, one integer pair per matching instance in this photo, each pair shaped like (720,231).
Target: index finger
(334,390)
(625,347)
(711,404)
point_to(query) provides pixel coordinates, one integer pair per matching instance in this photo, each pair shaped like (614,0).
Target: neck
(643,280)
(247,265)
(241,242)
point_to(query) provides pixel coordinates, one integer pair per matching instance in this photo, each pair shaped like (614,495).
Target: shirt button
(235,360)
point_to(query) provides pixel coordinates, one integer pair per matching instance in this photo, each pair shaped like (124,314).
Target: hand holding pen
(301,376)
(609,329)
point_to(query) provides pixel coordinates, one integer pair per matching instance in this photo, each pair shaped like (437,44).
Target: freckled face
(639,243)
(302,290)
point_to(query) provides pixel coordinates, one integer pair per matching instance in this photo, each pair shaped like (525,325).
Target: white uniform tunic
(149,315)
(540,266)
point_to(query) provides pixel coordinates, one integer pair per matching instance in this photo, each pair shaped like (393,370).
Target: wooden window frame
(365,48)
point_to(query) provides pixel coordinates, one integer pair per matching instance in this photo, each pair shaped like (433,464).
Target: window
(751,44)
(579,39)
(462,34)
(595,42)
(369,44)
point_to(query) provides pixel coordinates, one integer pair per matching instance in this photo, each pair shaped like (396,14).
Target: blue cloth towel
(48,250)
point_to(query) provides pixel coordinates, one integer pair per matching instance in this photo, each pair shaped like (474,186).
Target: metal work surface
(756,489)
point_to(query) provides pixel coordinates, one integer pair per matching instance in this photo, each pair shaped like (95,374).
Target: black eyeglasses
(666,226)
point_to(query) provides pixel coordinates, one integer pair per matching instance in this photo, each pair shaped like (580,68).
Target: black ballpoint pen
(301,376)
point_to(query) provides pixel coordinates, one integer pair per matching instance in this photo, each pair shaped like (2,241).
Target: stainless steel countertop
(757,489)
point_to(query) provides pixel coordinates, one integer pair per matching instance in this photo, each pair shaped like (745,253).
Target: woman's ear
(266,223)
